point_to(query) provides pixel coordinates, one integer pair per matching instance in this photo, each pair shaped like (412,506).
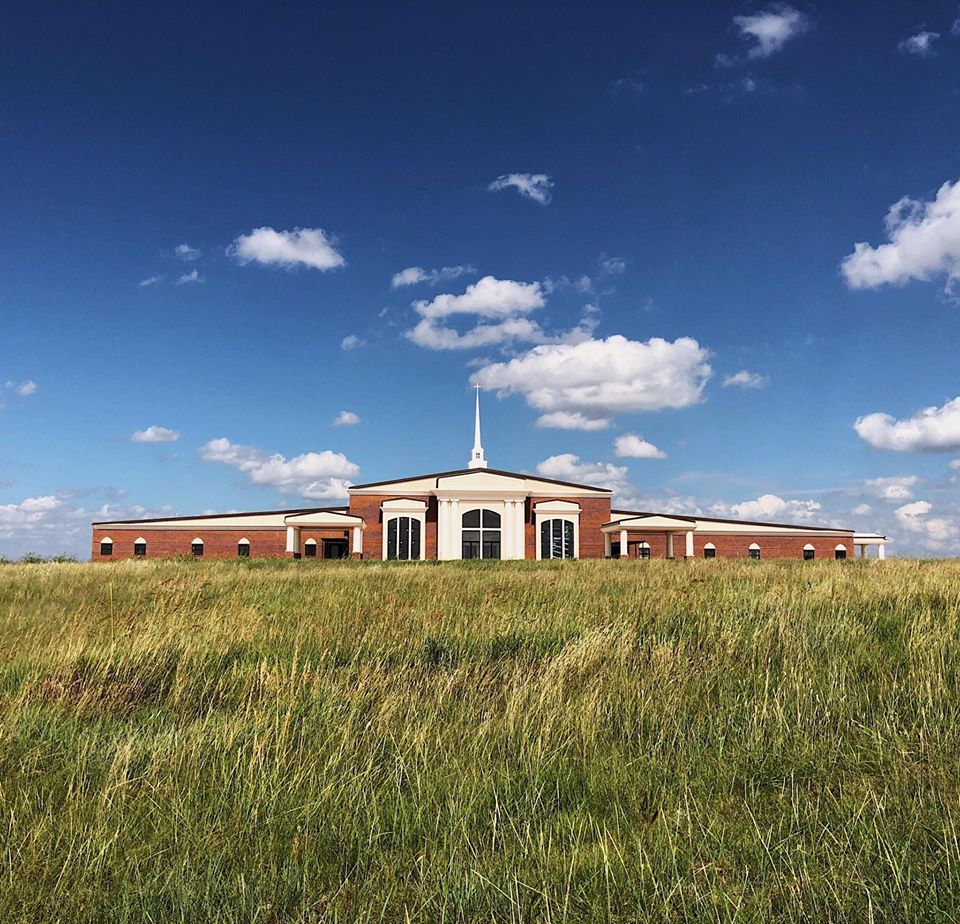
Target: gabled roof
(436,476)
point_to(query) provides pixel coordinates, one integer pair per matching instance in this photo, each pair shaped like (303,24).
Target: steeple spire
(476,456)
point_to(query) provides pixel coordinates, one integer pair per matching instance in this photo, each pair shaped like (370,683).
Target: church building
(475,512)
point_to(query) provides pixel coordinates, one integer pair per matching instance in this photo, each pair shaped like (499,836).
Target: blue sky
(636,226)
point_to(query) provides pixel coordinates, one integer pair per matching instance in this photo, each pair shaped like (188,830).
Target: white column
(669,545)
(623,543)
(442,521)
(453,533)
(521,534)
(881,551)
(357,540)
(293,538)
(607,546)
(689,550)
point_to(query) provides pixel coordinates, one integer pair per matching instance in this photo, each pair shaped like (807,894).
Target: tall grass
(592,741)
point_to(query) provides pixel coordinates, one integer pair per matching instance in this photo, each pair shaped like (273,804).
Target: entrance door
(334,548)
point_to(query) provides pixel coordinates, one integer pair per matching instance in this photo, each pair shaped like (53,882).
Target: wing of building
(476,512)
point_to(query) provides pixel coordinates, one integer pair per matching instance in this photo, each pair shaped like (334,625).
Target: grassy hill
(595,741)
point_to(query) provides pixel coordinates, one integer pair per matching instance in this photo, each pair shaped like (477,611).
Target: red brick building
(476,512)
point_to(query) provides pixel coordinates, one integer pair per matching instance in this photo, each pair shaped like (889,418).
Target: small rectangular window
(755,554)
(809,554)
(106,548)
(709,553)
(310,550)
(243,550)
(140,549)
(197,549)
(840,554)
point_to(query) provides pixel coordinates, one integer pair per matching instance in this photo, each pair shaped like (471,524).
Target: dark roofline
(825,529)
(217,516)
(492,471)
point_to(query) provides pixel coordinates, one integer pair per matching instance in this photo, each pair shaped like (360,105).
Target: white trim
(403,507)
(104,539)
(243,541)
(310,542)
(556,510)
(756,546)
(839,546)
(196,541)
(809,548)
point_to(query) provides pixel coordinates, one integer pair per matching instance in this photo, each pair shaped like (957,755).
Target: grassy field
(595,741)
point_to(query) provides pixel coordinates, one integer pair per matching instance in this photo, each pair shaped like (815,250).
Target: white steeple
(476,456)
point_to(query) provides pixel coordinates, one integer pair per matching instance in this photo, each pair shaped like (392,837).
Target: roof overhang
(654,521)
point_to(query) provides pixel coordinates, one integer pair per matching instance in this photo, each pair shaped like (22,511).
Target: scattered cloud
(612,266)
(920,43)
(149,281)
(923,242)
(769,30)
(310,247)
(155,434)
(25,389)
(346,419)
(535,186)
(313,475)
(567,420)
(187,278)
(636,447)
(937,533)
(500,304)
(768,507)
(597,379)
(955,28)
(895,488)
(568,467)
(746,380)
(186,252)
(954,465)
(862,510)
(634,84)
(352,342)
(931,429)
(414,275)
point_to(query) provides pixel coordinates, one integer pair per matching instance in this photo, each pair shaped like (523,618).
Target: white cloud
(352,342)
(920,43)
(535,186)
(955,28)
(192,276)
(568,467)
(346,419)
(186,252)
(414,275)
(768,31)
(746,379)
(600,378)
(862,510)
(25,389)
(567,420)
(501,305)
(612,266)
(636,447)
(313,475)
(150,281)
(931,429)
(954,464)
(155,434)
(937,533)
(924,242)
(768,507)
(895,488)
(310,247)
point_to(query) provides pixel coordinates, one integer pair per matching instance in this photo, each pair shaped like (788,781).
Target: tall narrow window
(310,548)
(556,539)
(196,547)
(709,550)
(243,548)
(106,546)
(809,552)
(140,547)
(480,536)
(403,539)
(840,552)
(754,551)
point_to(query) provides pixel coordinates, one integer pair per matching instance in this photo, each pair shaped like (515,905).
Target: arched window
(840,552)
(140,547)
(403,538)
(480,535)
(196,547)
(754,551)
(709,550)
(643,550)
(106,546)
(556,538)
(243,548)
(310,548)
(809,552)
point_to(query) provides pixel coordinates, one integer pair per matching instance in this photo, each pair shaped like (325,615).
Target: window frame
(753,552)
(106,543)
(840,552)
(709,547)
(809,552)
(140,541)
(409,529)
(484,533)
(559,529)
(310,548)
(243,544)
(194,545)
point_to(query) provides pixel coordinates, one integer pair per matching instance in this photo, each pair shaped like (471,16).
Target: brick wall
(594,512)
(738,546)
(169,543)
(368,507)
